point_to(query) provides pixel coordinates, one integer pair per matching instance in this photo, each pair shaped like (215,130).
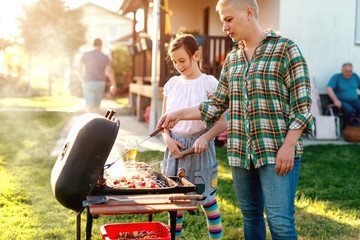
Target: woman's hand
(200,145)
(284,160)
(169,120)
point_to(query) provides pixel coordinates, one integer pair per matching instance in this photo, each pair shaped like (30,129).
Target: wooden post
(162,79)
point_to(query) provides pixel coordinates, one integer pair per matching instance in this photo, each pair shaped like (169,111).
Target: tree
(51,31)
(4,43)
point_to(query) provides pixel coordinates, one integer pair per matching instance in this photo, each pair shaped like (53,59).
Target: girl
(192,87)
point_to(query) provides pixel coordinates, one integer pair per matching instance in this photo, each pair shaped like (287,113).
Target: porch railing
(213,53)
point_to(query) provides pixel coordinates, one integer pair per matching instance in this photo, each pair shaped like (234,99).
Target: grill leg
(78,226)
(150,217)
(89,221)
(172,224)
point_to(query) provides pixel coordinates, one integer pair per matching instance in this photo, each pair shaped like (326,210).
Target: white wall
(215,25)
(190,13)
(186,13)
(269,14)
(325,33)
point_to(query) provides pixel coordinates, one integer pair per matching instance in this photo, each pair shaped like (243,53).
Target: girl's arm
(166,132)
(172,144)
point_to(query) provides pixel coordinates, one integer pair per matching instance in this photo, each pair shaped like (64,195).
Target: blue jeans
(93,93)
(348,110)
(261,188)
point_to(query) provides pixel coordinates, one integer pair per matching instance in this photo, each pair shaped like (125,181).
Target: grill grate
(135,175)
(159,182)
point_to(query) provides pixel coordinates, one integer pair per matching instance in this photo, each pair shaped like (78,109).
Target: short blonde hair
(241,4)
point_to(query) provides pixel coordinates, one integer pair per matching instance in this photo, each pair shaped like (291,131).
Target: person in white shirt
(188,89)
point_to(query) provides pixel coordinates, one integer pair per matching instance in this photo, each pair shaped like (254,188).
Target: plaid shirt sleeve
(211,110)
(298,81)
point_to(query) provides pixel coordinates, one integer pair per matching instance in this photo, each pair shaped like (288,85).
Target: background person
(342,90)
(190,88)
(93,67)
(265,84)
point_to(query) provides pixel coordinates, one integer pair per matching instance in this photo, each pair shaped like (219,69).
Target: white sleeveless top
(183,93)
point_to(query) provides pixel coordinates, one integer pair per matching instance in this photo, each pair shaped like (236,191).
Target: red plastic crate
(111,231)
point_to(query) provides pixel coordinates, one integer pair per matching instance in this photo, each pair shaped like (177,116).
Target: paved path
(308,141)
(129,128)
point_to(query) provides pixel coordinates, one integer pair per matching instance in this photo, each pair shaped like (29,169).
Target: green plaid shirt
(266,98)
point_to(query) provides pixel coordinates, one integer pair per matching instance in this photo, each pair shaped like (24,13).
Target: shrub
(122,65)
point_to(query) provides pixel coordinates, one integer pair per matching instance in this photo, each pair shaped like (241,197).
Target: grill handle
(109,114)
(156,131)
(185,153)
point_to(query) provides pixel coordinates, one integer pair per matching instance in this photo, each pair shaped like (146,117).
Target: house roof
(103,9)
(132,5)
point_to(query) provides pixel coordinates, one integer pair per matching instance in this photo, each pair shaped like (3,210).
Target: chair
(324,127)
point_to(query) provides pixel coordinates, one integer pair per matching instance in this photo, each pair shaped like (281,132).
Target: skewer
(106,166)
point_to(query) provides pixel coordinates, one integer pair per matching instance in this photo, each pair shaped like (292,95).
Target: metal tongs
(106,166)
(180,155)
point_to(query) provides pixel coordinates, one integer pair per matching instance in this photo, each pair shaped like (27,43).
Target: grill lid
(82,158)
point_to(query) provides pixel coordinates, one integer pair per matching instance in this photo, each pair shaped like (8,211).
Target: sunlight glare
(8,14)
(13,9)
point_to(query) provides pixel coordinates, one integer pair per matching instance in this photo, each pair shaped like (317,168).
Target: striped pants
(213,219)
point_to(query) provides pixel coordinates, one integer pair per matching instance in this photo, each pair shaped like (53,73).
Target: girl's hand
(200,145)
(173,146)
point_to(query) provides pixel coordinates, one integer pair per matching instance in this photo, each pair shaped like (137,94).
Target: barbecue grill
(78,173)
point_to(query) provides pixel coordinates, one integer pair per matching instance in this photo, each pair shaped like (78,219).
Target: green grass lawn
(327,203)
(64,101)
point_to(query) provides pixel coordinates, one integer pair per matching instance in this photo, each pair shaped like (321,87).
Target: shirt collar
(269,34)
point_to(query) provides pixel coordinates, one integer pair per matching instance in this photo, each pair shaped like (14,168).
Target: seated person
(342,90)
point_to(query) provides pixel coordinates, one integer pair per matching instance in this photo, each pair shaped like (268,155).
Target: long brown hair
(187,41)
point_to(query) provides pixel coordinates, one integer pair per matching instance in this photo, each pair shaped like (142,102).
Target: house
(327,32)
(202,18)
(103,23)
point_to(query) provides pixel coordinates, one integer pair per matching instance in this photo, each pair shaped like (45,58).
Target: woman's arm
(169,120)
(285,155)
(201,144)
